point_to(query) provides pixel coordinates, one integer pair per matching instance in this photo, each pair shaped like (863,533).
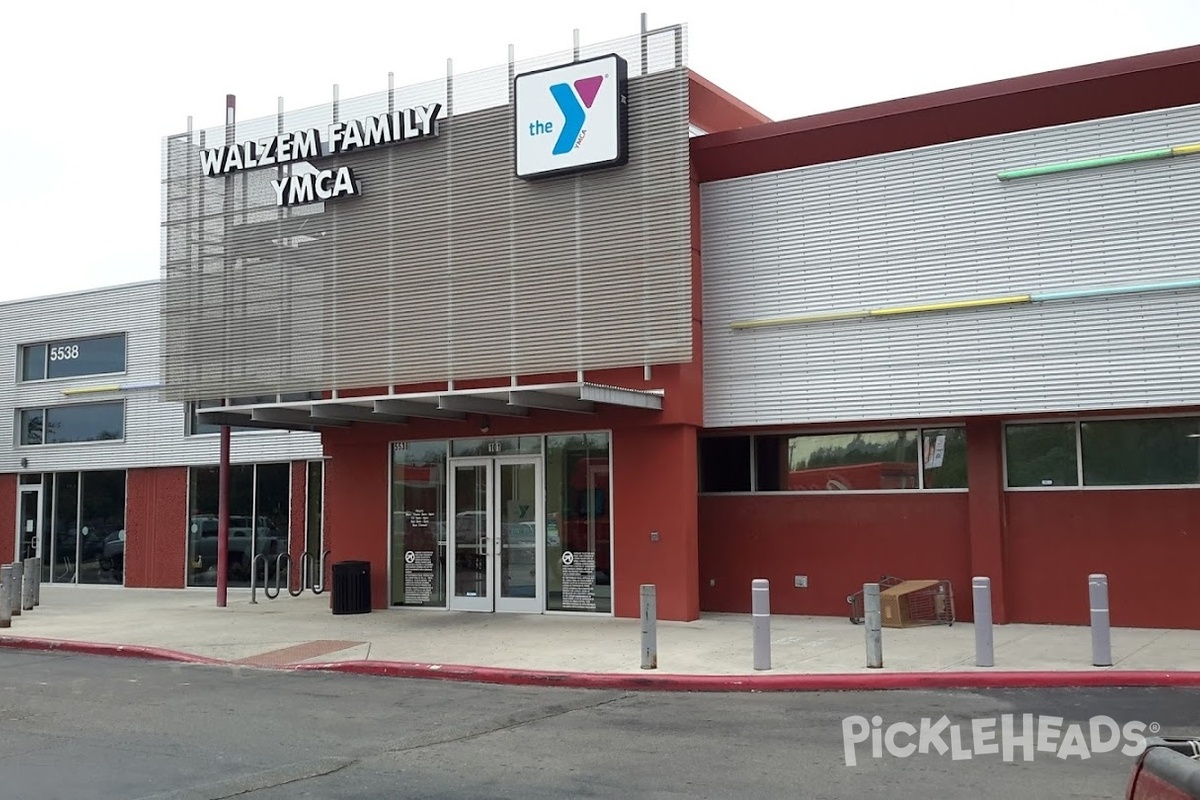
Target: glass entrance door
(29,523)
(497,534)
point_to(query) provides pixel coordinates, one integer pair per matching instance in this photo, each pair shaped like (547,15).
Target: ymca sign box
(571,118)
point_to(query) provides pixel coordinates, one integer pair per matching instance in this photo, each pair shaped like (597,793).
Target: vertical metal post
(645,46)
(874,622)
(575,48)
(760,608)
(1101,633)
(6,596)
(223,521)
(985,651)
(15,588)
(27,587)
(649,627)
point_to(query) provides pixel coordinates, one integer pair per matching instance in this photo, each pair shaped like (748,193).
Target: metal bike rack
(272,588)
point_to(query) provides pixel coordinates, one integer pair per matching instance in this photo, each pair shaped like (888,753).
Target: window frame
(18,428)
(48,343)
(1080,486)
(919,428)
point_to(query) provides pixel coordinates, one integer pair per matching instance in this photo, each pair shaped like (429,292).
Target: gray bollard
(760,607)
(1101,632)
(874,625)
(649,627)
(37,581)
(985,645)
(6,596)
(27,586)
(16,587)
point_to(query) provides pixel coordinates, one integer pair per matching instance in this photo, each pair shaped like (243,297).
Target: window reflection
(578,525)
(259,521)
(418,528)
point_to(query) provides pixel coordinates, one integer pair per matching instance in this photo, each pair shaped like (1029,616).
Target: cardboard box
(908,603)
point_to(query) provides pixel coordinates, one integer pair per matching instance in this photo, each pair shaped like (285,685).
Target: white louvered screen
(447,266)
(935,224)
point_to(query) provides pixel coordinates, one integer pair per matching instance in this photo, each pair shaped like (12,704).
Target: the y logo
(571,117)
(574,114)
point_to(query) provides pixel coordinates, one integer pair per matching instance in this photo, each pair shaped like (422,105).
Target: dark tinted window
(1141,452)
(1041,455)
(725,464)
(86,422)
(73,357)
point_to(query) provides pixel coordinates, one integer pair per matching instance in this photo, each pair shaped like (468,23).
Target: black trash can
(351,591)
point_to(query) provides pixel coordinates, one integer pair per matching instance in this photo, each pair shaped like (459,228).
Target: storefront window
(850,461)
(418,555)
(1141,452)
(578,523)
(259,520)
(84,528)
(944,458)
(1041,455)
(102,527)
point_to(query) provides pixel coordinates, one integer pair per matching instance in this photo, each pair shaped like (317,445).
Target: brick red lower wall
(8,517)
(156,527)
(839,541)
(1147,542)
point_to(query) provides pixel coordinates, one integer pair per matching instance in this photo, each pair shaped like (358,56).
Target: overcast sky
(91,88)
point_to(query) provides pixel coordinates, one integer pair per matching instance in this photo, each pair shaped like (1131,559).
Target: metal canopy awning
(451,404)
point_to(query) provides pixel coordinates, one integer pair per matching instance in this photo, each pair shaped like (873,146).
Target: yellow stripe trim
(91,389)
(1185,149)
(951,305)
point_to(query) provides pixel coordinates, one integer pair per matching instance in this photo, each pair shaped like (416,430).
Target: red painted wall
(356,503)
(1095,91)
(840,541)
(654,489)
(985,476)
(8,517)
(713,109)
(298,512)
(156,527)
(1147,542)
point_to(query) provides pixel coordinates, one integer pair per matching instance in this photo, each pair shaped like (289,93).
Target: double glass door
(497,534)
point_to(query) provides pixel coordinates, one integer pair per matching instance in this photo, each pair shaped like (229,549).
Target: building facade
(107,482)
(530,338)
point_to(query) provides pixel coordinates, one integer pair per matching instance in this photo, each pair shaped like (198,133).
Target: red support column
(223,521)
(985,508)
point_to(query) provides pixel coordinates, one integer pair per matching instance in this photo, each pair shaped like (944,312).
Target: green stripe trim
(1088,163)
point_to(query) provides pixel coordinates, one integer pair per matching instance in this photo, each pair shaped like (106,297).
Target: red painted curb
(662,682)
(835,682)
(104,649)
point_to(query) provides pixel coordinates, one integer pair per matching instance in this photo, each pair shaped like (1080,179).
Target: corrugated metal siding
(154,430)
(446,267)
(933,225)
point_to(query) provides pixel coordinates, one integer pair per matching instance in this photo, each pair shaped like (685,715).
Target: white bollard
(760,607)
(874,625)
(6,596)
(985,650)
(649,627)
(1101,630)
(27,586)
(16,587)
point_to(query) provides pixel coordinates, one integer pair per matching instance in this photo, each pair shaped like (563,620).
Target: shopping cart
(856,600)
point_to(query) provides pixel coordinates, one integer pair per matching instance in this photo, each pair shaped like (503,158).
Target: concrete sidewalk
(302,633)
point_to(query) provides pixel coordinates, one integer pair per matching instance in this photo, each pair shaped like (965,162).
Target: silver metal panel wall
(447,266)
(154,429)
(933,225)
